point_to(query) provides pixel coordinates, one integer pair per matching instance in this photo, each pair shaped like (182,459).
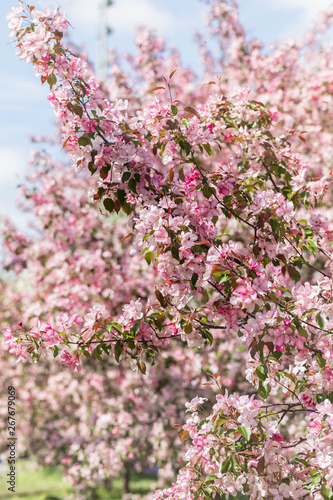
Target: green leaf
(174,109)
(82,87)
(97,355)
(136,328)
(125,176)
(207,192)
(208,149)
(245,432)
(264,390)
(225,466)
(207,492)
(206,334)
(194,279)
(218,423)
(326,492)
(320,321)
(118,348)
(209,478)
(181,174)
(320,360)
(310,311)
(262,372)
(185,146)
(108,204)
(274,223)
(132,185)
(91,167)
(175,252)
(186,122)
(205,296)
(149,257)
(320,398)
(84,141)
(312,246)
(55,351)
(85,353)
(106,348)
(121,196)
(304,197)
(223,277)
(78,110)
(119,328)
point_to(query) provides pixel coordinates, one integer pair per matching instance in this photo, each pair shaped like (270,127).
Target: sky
(24,109)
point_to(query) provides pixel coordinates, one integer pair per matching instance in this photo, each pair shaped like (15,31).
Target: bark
(126,479)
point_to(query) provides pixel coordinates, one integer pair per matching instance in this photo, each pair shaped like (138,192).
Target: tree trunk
(126,479)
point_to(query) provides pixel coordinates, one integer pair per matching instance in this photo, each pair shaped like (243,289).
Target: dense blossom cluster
(105,419)
(226,193)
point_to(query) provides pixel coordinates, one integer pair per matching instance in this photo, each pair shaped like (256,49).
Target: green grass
(45,483)
(139,484)
(35,483)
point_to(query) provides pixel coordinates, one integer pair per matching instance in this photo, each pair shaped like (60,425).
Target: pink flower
(193,405)
(51,337)
(89,125)
(314,427)
(172,328)
(273,113)
(70,361)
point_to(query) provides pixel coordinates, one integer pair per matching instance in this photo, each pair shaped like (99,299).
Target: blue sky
(24,110)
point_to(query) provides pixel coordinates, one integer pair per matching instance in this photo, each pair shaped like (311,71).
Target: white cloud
(310,6)
(128,14)
(125,15)
(12,166)
(307,12)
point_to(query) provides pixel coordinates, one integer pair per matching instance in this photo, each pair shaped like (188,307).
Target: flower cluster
(229,239)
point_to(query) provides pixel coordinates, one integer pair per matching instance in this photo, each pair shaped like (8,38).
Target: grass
(45,483)
(34,483)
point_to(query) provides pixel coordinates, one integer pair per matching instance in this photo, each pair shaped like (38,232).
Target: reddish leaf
(64,144)
(156,88)
(172,73)
(183,435)
(117,206)
(192,111)
(127,236)
(261,465)
(142,366)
